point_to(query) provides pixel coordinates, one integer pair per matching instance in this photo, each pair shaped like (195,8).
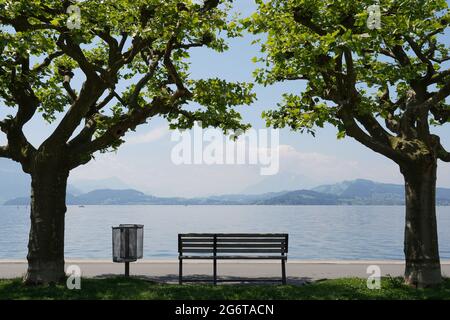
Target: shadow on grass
(137,288)
(207,279)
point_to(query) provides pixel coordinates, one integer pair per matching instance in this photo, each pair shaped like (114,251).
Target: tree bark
(421,249)
(46,240)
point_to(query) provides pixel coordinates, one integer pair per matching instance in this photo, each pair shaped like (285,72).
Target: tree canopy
(384,87)
(132,58)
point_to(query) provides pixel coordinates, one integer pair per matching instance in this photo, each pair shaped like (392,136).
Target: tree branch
(437,97)
(189,45)
(87,132)
(137,116)
(47,61)
(19,149)
(418,51)
(90,126)
(137,45)
(114,51)
(440,60)
(74,51)
(173,73)
(440,113)
(443,154)
(66,84)
(115,132)
(354,131)
(4,152)
(90,92)
(21,24)
(439,77)
(123,41)
(400,55)
(22,94)
(143,81)
(305,19)
(365,117)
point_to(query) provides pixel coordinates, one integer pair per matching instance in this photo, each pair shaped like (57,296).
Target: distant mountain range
(283,181)
(356,192)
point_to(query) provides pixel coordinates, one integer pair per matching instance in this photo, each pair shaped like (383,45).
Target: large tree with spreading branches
(385,86)
(98,70)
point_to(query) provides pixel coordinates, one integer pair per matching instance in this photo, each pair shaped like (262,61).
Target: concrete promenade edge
(298,271)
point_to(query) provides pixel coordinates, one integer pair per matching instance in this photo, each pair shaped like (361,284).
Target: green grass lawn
(132,288)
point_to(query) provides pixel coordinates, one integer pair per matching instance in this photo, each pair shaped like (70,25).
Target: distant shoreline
(229,205)
(348,193)
(167,271)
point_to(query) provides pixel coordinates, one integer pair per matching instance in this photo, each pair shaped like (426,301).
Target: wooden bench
(236,246)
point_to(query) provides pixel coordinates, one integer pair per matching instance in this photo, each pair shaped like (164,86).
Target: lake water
(315,232)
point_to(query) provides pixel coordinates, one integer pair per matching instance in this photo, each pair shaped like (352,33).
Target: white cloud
(153,172)
(329,168)
(319,166)
(104,166)
(150,136)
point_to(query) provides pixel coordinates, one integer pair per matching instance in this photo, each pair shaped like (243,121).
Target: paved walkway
(298,271)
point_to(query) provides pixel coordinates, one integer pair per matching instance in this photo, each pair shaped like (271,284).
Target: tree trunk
(46,240)
(421,249)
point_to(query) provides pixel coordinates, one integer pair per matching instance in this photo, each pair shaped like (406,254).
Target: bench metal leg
(283,270)
(127,269)
(215,271)
(180,272)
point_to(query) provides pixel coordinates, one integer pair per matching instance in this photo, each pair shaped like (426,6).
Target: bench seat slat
(196,244)
(201,240)
(219,242)
(256,250)
(231,235)
(234,240)
(235,257)
(250,245)
(198,250)
(233,245)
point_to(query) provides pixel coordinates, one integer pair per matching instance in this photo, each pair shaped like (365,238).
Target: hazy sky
(145,161)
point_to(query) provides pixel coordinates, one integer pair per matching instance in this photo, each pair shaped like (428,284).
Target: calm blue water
(316,232)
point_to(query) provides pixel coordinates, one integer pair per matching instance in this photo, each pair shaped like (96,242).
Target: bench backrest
(233,243)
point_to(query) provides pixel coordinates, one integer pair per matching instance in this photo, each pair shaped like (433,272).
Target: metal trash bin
(127,244)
